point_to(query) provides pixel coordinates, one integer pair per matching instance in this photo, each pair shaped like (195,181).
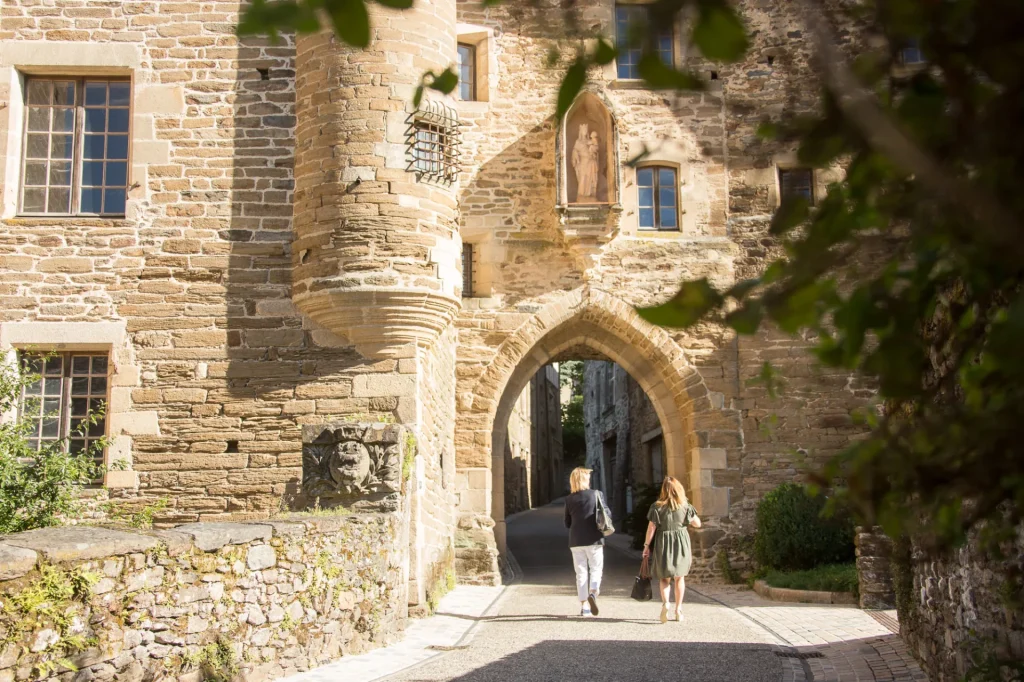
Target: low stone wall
(802,596)
(252,601)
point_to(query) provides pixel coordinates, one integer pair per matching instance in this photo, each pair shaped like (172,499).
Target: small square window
(75,159)
(434,141)
(629,21)
(910,54)
(467,72)
(796,182)
(657,198)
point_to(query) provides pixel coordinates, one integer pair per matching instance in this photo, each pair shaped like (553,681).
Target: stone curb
(765,590)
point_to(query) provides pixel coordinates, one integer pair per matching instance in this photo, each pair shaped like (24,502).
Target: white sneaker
(585,613)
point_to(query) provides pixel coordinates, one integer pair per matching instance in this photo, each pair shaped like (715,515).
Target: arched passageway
(586,323)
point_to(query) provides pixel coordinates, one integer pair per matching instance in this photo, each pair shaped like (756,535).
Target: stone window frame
(122,421)
(819,178)
(677,169)
(78,139)
(150,101)
(471,68)
(481,39)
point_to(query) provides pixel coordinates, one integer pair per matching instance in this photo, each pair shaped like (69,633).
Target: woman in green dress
(669,518)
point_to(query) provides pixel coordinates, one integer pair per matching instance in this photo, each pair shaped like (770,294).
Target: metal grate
(796,182)
(434,143)
(800,654)
(467,270)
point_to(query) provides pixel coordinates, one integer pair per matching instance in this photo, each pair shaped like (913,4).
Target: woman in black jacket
(585,541)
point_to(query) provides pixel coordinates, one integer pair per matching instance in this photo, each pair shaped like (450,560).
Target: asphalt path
(539,636)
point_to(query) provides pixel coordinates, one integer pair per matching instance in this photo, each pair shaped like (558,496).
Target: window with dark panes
(467,72)
(76,147)
(796,182)
(910,53)
(657,198)
(467,270)
(631,20)
(71,386)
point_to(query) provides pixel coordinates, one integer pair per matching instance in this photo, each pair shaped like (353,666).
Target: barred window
(75,159)
(796,182)
(70,387)
(633,19)
(910,54)
(467,270)
(434,141)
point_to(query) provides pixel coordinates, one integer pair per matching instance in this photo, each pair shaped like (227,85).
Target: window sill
(659,234)
(61,220)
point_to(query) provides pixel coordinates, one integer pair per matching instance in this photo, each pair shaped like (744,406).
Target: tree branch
(991,221)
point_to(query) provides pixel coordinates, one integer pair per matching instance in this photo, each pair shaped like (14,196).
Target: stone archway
(587,320)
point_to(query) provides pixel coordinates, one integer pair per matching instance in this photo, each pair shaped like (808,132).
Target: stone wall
(874,570)
(960,609)
(256,600)
(549,478)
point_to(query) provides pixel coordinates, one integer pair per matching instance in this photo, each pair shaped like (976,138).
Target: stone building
(533,446)
(625,447)
(251,242)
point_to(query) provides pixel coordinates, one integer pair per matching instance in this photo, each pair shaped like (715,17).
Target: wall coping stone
(80,543)
(212,536)
(282,528)
(15,561)
(766,591)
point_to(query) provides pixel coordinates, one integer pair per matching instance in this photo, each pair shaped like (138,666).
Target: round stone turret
(376,255)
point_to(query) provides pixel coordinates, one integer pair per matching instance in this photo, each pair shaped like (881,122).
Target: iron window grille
(434,143)
(467,72)
(75,147)
(657,198)
(70,387)
(910,54)
(631,20)
(467,270)
(796,182)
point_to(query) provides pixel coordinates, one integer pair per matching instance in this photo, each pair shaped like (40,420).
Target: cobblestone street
(532,632)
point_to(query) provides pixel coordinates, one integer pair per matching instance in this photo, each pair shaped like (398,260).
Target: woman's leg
(680,586)
(596,568)
(579,562)
(664,588)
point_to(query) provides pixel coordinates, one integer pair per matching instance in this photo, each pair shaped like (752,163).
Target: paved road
(537,635)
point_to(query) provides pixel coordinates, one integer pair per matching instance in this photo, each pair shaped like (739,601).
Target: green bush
(793,534)
(635,522)
(37,488)
(831,578)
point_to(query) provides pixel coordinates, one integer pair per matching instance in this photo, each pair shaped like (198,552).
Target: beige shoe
(664,612)
(679,615)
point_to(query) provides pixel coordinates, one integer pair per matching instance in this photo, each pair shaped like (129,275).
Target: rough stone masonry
(289,254)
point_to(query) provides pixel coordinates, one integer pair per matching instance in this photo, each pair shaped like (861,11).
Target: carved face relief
(350,464)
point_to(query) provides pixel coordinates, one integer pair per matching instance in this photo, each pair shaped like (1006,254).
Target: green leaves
(719,33)
(792,212)
(350,20)
(444,82)
(571,86)
(660,76)
(694,301)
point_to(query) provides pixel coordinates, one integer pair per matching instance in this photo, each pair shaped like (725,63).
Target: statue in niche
(585,164)
(351,461)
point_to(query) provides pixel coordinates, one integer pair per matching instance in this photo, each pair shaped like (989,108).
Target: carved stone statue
(585,164)
(351,464)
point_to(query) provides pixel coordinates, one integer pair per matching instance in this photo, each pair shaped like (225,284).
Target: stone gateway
(290,287)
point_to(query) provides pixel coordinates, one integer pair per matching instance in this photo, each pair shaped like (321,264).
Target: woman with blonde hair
(586,542)
(669,518)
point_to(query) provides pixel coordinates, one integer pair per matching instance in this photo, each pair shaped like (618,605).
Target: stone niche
(588,167)
(357,466)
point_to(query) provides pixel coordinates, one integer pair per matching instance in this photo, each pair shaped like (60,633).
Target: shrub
(793,534)
(635,522)
(831,578)
(37,489)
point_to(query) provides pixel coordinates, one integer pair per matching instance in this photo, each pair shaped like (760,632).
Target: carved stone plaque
(355,465)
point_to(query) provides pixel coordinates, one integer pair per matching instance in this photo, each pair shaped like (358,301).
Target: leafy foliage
(793,534)
(37,489)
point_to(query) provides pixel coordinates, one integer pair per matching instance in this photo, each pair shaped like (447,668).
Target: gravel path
(538,636)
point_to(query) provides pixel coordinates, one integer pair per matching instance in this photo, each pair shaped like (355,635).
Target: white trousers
(589,563)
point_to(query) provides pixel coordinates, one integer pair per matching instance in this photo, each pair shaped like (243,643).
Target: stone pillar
(376,257)
(874,550)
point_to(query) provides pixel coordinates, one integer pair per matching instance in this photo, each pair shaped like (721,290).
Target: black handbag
(642,590)
(603,516)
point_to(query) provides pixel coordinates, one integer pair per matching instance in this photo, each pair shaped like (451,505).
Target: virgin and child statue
(584,163)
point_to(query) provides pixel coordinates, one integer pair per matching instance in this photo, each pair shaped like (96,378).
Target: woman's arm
(651,528)
(695,521)
(568,516)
